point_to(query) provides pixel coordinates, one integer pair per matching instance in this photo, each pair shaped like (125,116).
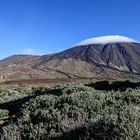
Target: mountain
(123,56)
(101,57)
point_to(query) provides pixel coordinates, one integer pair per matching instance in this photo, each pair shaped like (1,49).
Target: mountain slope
(120,56)
(102,57)
(29,60)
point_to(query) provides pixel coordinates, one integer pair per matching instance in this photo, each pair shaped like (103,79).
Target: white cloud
(31,51)
(106,39)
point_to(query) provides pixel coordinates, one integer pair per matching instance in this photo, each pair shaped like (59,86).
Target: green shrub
(4,113)
(79,112)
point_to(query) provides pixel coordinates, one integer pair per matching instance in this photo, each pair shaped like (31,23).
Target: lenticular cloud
(106,40)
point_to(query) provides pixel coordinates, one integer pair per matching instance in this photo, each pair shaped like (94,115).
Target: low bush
(4,113)
(79,112)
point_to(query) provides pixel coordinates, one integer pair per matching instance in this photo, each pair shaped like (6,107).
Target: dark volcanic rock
(120,56)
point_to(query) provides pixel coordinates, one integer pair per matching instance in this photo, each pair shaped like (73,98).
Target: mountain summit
(106,56)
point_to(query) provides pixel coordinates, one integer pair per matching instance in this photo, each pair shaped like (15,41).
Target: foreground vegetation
(73,112)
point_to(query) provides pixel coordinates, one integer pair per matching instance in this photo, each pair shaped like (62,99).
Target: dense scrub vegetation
(76,112)
(4,113)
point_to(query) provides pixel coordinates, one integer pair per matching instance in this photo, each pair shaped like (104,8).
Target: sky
(41,27)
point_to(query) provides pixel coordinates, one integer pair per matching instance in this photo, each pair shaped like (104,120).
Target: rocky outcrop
(3,78)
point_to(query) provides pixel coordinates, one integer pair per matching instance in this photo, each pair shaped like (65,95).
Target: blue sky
(48,26)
